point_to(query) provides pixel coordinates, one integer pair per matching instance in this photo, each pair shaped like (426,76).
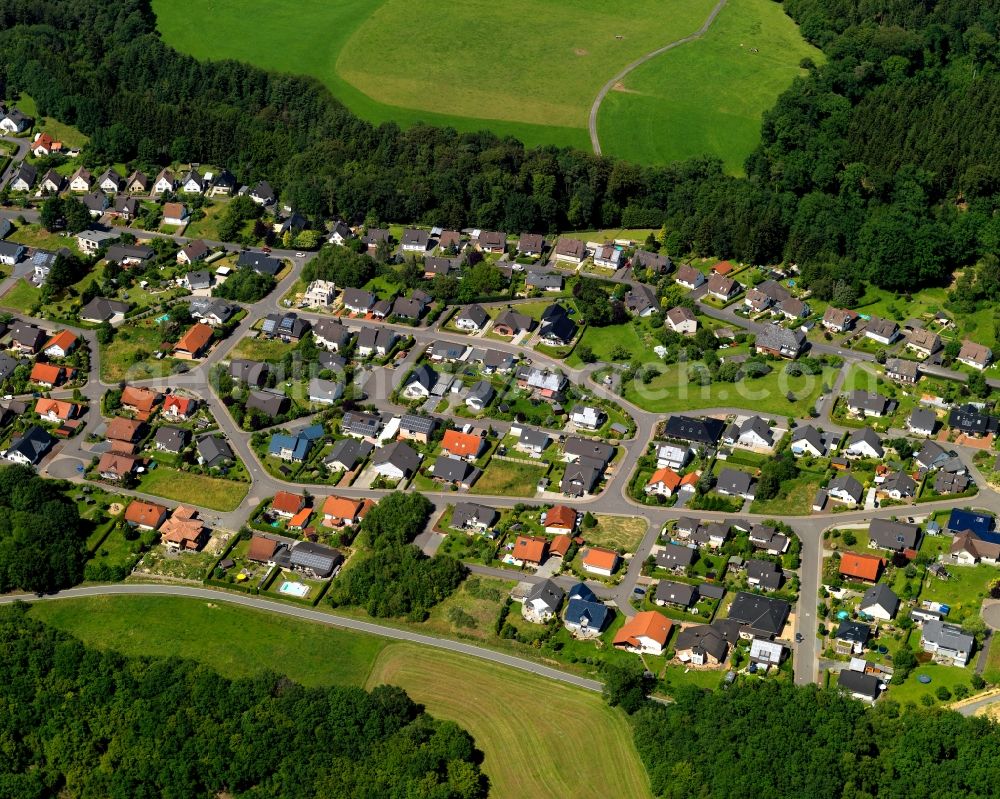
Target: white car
(300,255)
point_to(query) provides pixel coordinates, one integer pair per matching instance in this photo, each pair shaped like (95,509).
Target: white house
(320,294)
(864,443)
(671,456)
(807,440)
(682,320)
(588,417)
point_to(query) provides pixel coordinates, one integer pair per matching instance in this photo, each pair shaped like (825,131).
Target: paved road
(971,708)
(595,107)
(333,620)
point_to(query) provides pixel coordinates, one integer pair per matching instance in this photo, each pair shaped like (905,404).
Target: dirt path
(617,79)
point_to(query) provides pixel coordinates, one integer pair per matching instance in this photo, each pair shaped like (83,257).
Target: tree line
(882,164)
(79,722)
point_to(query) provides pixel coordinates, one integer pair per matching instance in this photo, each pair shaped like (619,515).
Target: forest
(43,542)
(880,165)
(78,722)
(773,740)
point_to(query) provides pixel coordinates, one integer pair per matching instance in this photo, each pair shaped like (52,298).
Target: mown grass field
(211,492)
(517,67)
(532,730)
(707,97)
(531,748)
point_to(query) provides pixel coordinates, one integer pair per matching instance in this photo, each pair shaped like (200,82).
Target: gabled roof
(865,567)
(687,428)
(147,514)
(856,682)
(882,596)
(893,535)
(288,502)
(561,516)
(645,624)
(760,613)
(548,593)
(868,436)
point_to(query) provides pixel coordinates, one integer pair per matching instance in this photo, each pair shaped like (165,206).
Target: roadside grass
(671,391)
(37,236)
(616,532)
(707,97)
(508,478)
(502,710)
(209,492)
(236,642)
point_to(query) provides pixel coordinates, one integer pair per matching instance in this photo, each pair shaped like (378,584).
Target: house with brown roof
(140,401)
(492,241)
(682,320)
(839,320)
(975,355)
(125,431)
(572,251)
(531,244)
(175,214)
(262,549)
(145,515)
(194,343)
(689,277)
(183,531)
(560,520)
(723,288)
(339,511)
(923,342)
(646,633)
(115,466)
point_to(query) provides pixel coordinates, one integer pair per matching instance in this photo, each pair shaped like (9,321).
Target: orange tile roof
(195,340)
(185,532)
(142,399)
(46,373)
(647,624)
(261,549)
(867,567)
(530,548)
(459,443)
(63,339)
(342,507)
(560,545)
(670,479)
(182,406)
(690,478)
(184,512)
(287,502)
(146,513)
(300,518)
(723,268)
(561,516)
(58,408)
(601,558)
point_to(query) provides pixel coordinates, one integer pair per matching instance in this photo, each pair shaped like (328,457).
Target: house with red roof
(663,482)
(47,374)
(463,445)
(287,504)
(598,560)
(60,345)
(646,633)
(855,566)
(179,407)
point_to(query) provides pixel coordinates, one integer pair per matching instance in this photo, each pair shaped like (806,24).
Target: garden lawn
(207,228)
(707,97)
(199,489)
(237,642)
(948,676)
(130,354)
(532,747)
(964,591)
(37,236)
(21,297)
(602,340)
(261,349)
(671,391)
(512,479)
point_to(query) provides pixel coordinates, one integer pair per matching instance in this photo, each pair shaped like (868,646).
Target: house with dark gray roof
(864,443)
(542,602)
(473,516)
(734,482)
(760,616)
(868,403)
(170,439)
(214,451)
(456,471)
(845,488)
(892,535)
(472,317)
(347,454)
(763,574)
(396,461)
(270,403)
(253,373)
(259,262)
(532,441)
(30,447)
(676,558)
(780,341)
(480,395)
(807,440)
(544,281)
(705,431)
(680,595)
(576,448)
(879,602)
(922,422)
(358,301)
(581,477)
(859,685)
(361,425)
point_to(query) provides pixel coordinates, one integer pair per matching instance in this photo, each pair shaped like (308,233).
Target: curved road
(311,615)
(607,87)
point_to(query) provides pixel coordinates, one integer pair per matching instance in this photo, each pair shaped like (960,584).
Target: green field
(506,477)
(517,67)
(707,96)
(532,730)
(499,706)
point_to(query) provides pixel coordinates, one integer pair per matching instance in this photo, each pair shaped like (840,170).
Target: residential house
(923,342)
(414,240)
(60,345)
(968,549)
(341,511)
(126,208)
(700,431)
(946,642)
(531,244)
(576,448)
(865,687)
(361,425)
(96,203)
(542,602)
(807,440)
(27,339)
(922,422)
(679,595)
(598,560)
(30,447)
(646,633)
(198,280)
(124,433)
(473,318)
(892,535)
(588,417)
(170,439)
(902,370)
(972,421)
(884,331)
(851,637)
(286,504)
(879,602)
(415,427)
(723,288)
(175,214)
(898,485)
(44,145)
(585,616)
(325,392)
(340,233)
(480,395)
(191,183)
(975,355)
(194,343)
(140,401)
(331,335)
(855,566)
(766,654)
(868,403)
(763,574)
(110,182)
(759,616)
(397,461)
(531,441)
(676,558)
(689,277)
(753,433)
(571,251)
(682,320)
(115,466)
(212,311)
(780,342)
(436,265)
(91,240)
(511,323)
(706,644)
(53,410)
(608,256)
(267,402)
(543,281)
(47,374)
(24,178)
(259,262)
(347,454)
(530,550)
(81,180)
(455,471)
(473,516)
(128,255)
(961,520)
(214,452)
(375,342)
(14,121)
(165,182)
(223,184)
(52,182)
(733,482)
(193,251)
(492,241)
(145,515)
(652,261)
(251,373)
(560,520)
(542,382)
(137,183)
(946,483)
(846,489)
(768,539)
(663,482)
(793,308)
(557,329)
(373,237)
(263,194)
(177,407)
(581,477)
(864,443)
(467,446)
(183,531)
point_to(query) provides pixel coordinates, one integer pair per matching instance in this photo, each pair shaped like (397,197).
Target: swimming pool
(298,590)
(164,318)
